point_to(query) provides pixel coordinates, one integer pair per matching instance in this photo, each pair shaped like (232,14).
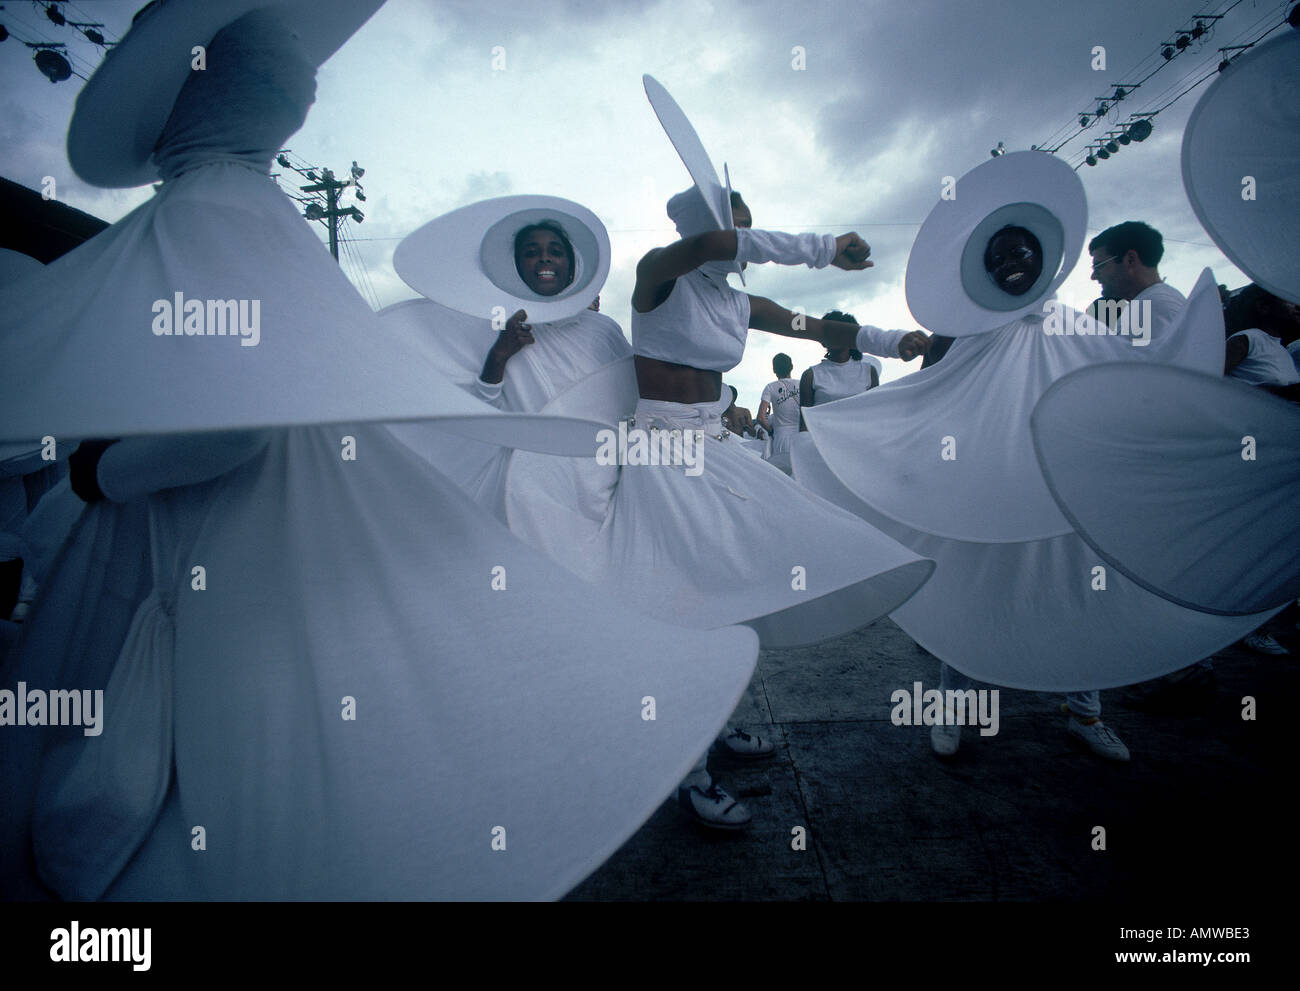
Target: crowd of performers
(367,618)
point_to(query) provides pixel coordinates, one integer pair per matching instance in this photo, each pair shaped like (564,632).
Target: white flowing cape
(943,461)
(498,701)
(83,330)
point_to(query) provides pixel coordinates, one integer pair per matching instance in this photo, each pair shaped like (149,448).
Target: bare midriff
(666,382)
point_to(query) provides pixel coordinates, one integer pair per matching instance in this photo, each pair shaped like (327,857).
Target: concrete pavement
(1199,811)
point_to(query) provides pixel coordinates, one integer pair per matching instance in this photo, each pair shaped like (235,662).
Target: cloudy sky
(891,98)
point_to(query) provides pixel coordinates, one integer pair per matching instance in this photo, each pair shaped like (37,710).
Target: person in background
(842,373)
(778,412)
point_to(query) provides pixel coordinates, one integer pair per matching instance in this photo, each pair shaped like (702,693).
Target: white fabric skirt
(356,707)
(738,542)
(782,442)
(1217,463)
(1027,615)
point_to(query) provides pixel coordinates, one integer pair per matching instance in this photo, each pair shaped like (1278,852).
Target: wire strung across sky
(1207,63)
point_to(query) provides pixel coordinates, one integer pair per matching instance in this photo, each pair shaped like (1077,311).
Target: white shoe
(1262,643)
(1099,738)
(713,807)
(945,738)
(748,746)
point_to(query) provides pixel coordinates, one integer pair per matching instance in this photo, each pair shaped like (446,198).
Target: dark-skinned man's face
(1014,259)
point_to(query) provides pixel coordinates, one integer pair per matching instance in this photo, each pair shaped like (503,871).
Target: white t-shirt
(783,394)
(1267,362)
(1166,303)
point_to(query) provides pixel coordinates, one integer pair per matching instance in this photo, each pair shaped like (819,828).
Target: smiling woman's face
(543,262)
(1015,260)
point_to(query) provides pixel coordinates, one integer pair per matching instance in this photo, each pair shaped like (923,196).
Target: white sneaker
(945,738)
(1099,738)
(713,807)
(1262,643)
(748,746)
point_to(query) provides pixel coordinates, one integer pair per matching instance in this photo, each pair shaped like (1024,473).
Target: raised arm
(661,267)
(905,344)
(514,337)
(657,271)
(776,319)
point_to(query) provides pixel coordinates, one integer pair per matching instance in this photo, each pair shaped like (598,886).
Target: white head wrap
(688,211)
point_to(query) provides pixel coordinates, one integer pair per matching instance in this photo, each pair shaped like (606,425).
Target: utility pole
(325,184)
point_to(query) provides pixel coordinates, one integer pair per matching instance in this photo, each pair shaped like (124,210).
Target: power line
(1202,28)
(1104,150)
(78,66)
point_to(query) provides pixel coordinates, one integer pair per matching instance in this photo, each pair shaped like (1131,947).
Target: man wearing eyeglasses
(1124,260)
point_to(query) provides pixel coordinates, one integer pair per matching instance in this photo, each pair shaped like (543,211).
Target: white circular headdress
(122,110)
(1247,127)
(465,259)
(717,195)
(948,290)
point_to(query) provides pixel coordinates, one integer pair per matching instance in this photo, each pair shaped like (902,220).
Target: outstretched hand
(915,343)
(851,253)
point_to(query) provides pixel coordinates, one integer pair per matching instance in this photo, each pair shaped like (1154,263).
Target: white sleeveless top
(832,380)
(703,323)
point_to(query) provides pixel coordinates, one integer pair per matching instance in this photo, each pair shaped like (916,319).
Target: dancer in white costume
(842,373)
(493,256)
(541,268)
(302,696)
(1015,599)
(715,547)
(736,541)
(778,411)
(1218,528)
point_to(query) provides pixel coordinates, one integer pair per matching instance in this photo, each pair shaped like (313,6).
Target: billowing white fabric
(16,266)
(710,549)
(221,232)
(834,380)
(518,706)
(1217,526)
(456,345)
(703,323)
(1025,615)
(48,525)
(1018,610)
(1267,362)
(951,453)
(1247,124)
